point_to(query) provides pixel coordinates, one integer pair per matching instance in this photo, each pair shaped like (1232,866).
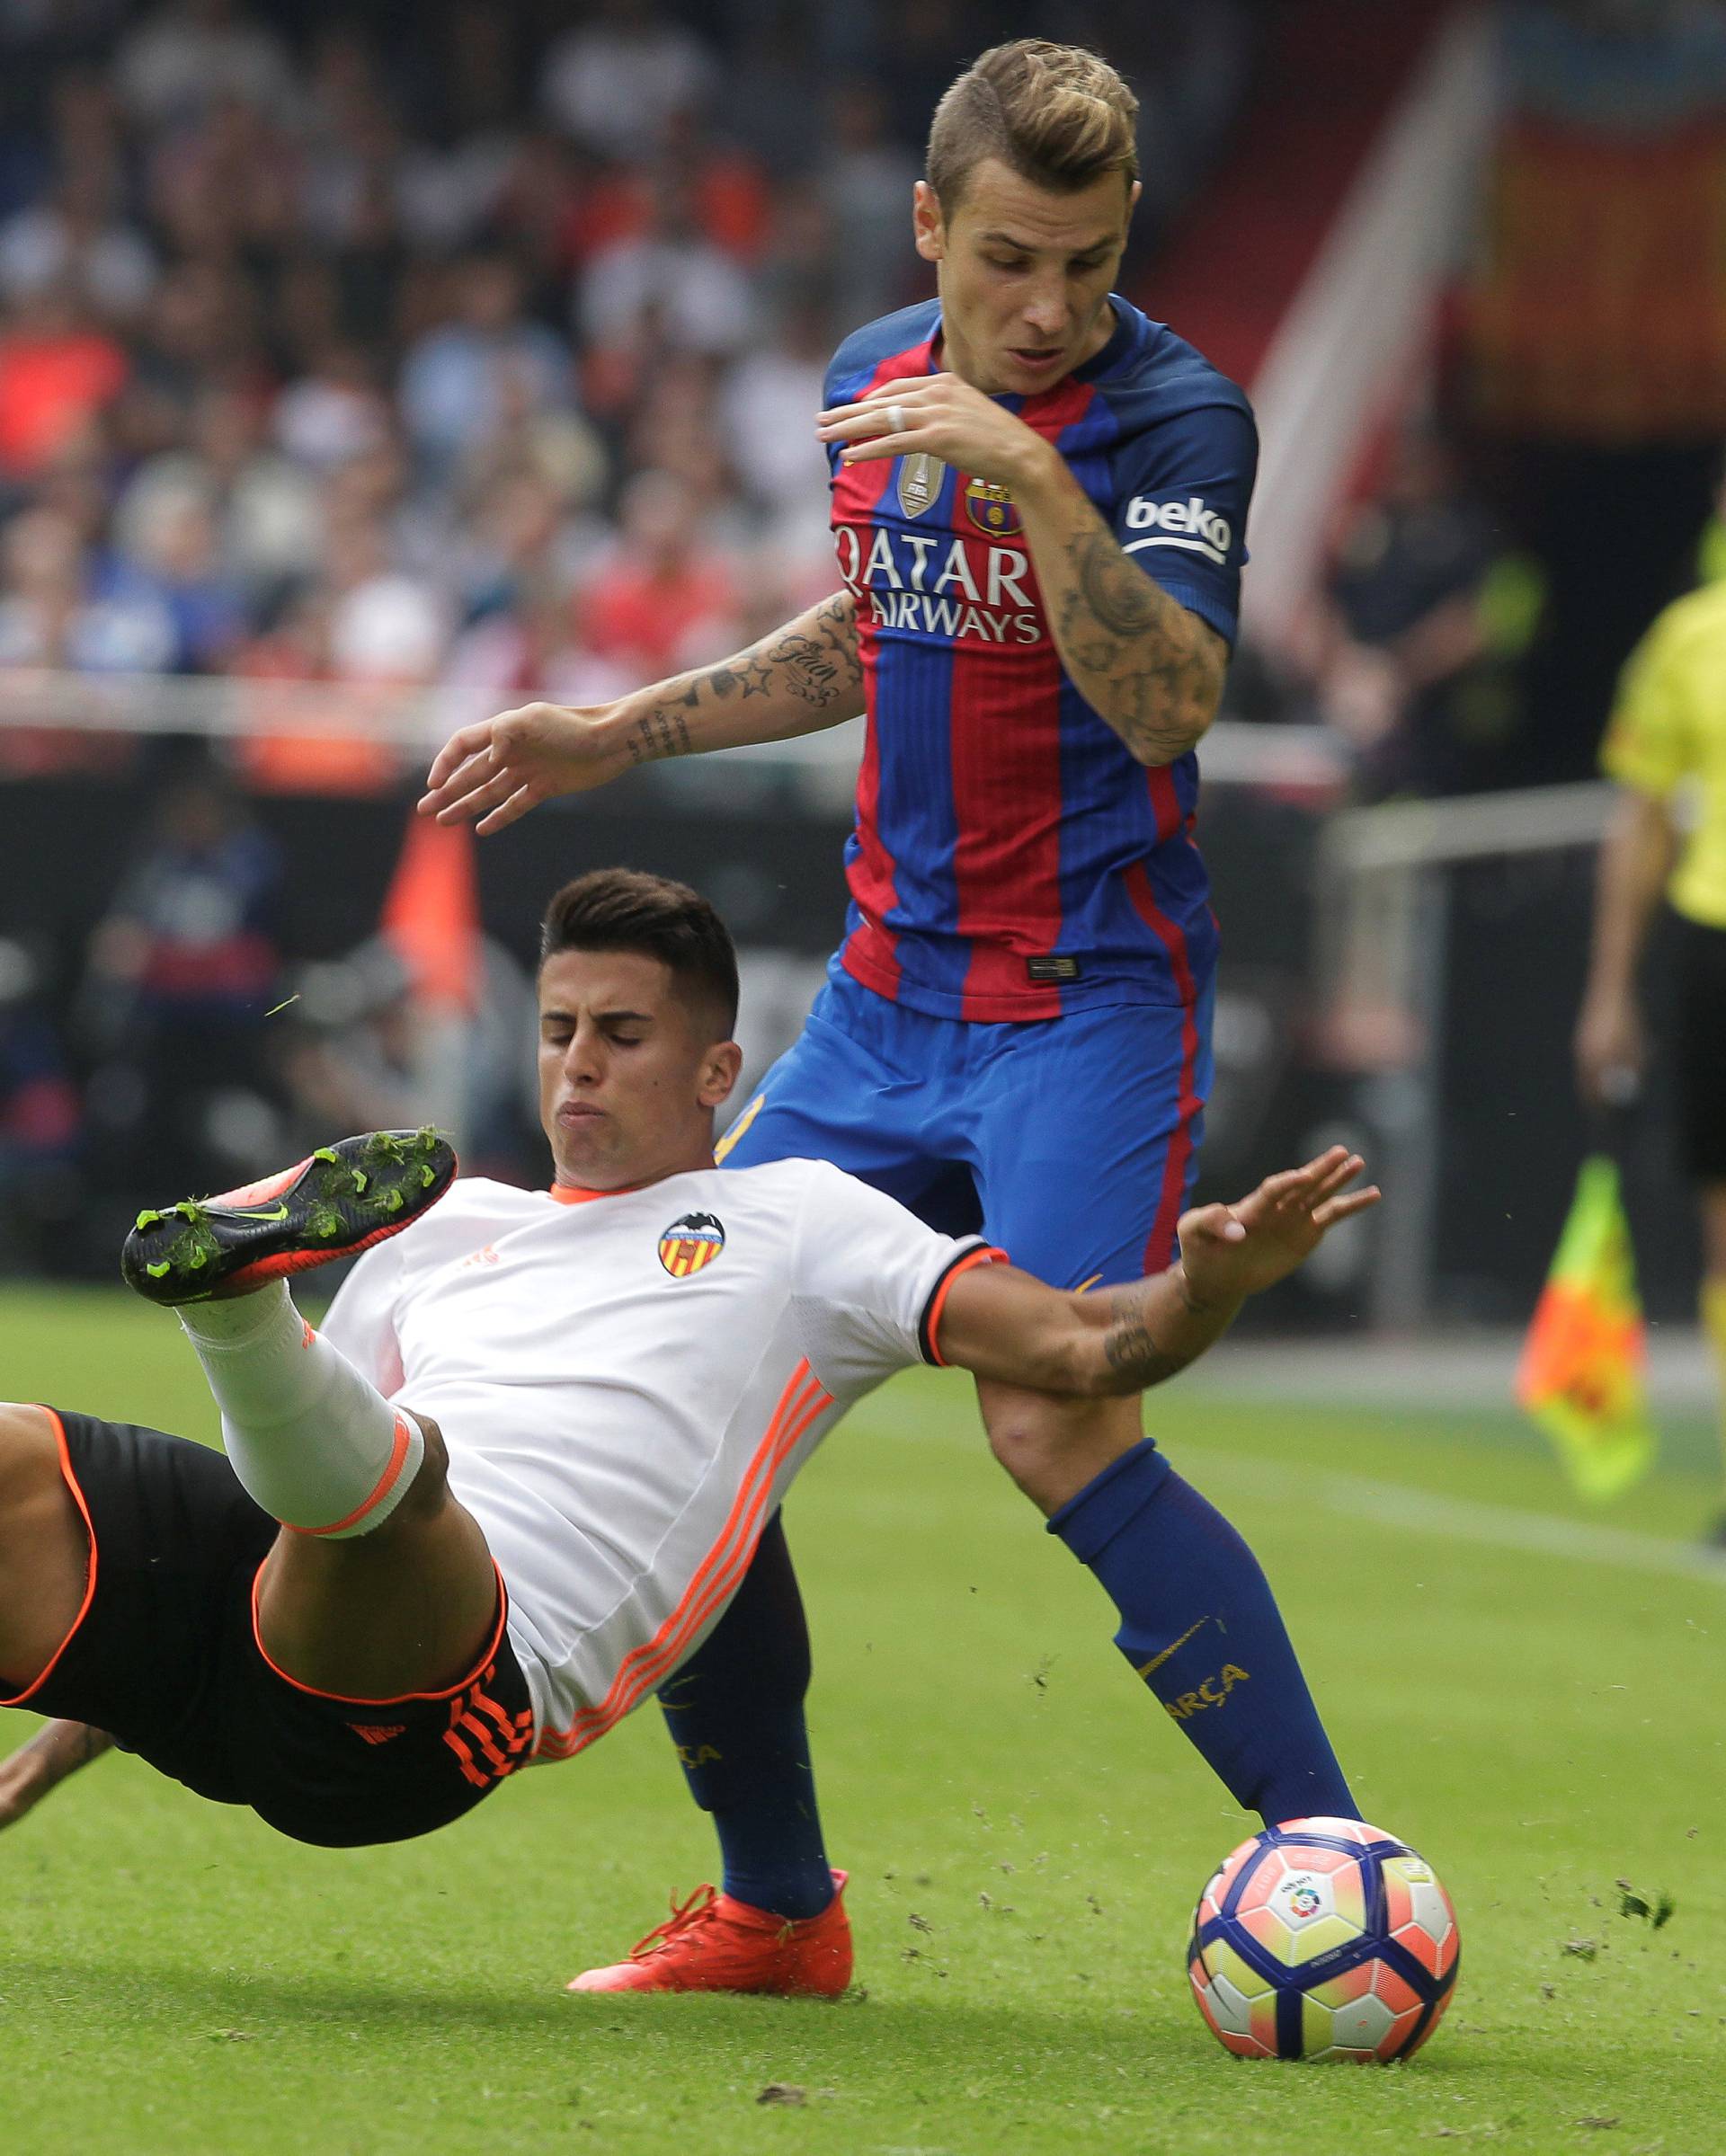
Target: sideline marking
(1468,1520)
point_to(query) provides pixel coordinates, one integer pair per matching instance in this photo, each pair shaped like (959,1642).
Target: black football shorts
(165,1658)
(1701,1050)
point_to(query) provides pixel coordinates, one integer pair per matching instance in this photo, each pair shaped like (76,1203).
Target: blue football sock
(1200,1625)
(734,1710)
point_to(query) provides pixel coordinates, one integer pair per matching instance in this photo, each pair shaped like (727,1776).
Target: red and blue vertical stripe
(1010,859)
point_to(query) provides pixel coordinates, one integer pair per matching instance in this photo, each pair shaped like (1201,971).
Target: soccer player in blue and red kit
(1039,497)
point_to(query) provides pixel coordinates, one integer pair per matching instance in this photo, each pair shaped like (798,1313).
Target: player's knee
(430,1489)
(1052,1447)
(1029,1434)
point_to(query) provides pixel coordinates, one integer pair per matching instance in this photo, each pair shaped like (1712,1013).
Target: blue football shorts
(1072,1142)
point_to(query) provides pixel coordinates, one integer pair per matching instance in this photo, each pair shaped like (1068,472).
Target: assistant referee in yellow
(1665,749)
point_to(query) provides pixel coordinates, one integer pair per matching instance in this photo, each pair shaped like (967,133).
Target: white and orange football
(1323,1938)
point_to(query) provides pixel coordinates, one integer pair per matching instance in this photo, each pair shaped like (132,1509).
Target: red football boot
(711,1943)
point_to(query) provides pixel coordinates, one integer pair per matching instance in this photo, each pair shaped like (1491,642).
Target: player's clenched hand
(499,768)
(1228,1252)
(937,415)
(1611,1050)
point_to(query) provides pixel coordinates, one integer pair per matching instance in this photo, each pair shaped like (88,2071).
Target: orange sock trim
(385,1482)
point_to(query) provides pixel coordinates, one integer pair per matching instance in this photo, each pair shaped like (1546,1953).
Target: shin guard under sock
(1200,1625)
(734,1710)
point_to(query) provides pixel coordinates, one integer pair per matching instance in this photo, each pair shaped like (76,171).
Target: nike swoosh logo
(1157,1661)
(278,1213)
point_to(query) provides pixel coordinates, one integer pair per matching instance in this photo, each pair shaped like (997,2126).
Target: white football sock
(312,1441)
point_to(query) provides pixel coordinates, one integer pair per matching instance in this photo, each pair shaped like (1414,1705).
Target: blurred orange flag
(1580,1377)
(431,913)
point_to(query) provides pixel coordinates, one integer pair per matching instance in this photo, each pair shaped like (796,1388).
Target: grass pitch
(1538,1705)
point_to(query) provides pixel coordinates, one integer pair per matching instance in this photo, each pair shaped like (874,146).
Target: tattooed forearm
(809,665)
(1147,665)
(1121,598)
(1154,1329)
(1153,669)
(809,672)
(819,666)
(658,733)
(1128,1348)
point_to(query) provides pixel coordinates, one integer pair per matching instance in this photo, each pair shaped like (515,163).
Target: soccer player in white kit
(517,1475)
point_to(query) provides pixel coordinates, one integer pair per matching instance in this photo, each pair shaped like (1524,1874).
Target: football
(1323,1938)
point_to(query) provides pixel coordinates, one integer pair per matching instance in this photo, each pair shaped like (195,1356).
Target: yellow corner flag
(1580,1377)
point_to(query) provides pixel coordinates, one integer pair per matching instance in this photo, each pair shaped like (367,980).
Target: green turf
(1027,1835)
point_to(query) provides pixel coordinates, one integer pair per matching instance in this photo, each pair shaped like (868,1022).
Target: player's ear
(929,227)
(718,1073)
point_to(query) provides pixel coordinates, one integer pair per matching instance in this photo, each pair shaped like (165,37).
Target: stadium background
(365,368)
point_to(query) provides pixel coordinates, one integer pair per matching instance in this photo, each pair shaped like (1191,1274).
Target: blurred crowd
(398,343)
(390,345)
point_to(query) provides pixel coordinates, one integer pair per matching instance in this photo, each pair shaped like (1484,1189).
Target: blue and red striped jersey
(1010,860)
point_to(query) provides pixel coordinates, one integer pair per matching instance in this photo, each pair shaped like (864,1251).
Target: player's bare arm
(1143,662)
(1636,859)
(799,679)
(1005,1325)
(58,1748)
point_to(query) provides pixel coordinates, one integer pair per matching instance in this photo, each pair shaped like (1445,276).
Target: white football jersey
(626,1384)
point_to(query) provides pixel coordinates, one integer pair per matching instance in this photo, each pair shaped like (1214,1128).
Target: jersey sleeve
(361,1320)
(868,1279)
(1648,743)
(1182,490)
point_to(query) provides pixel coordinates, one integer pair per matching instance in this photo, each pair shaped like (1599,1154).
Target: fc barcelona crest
(919,482)
(990,508)
(691,1243)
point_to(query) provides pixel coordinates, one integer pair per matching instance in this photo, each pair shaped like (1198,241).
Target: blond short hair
(1057,115)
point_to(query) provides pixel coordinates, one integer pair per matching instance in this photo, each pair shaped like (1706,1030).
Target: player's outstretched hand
(497,769)
(1228,1252)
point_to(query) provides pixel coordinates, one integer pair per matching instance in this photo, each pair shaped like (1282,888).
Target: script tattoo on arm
(1153,669)
(821,666)
(811,661)
(658,733)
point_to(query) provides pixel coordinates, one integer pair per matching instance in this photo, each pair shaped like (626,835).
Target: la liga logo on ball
(1323,1938)
(690,1244)
(1303,1898)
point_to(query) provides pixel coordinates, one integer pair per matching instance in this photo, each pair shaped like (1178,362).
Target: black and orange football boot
(339,1201)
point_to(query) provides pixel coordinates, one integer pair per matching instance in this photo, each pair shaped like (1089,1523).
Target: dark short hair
(1057,115)
(626,910)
